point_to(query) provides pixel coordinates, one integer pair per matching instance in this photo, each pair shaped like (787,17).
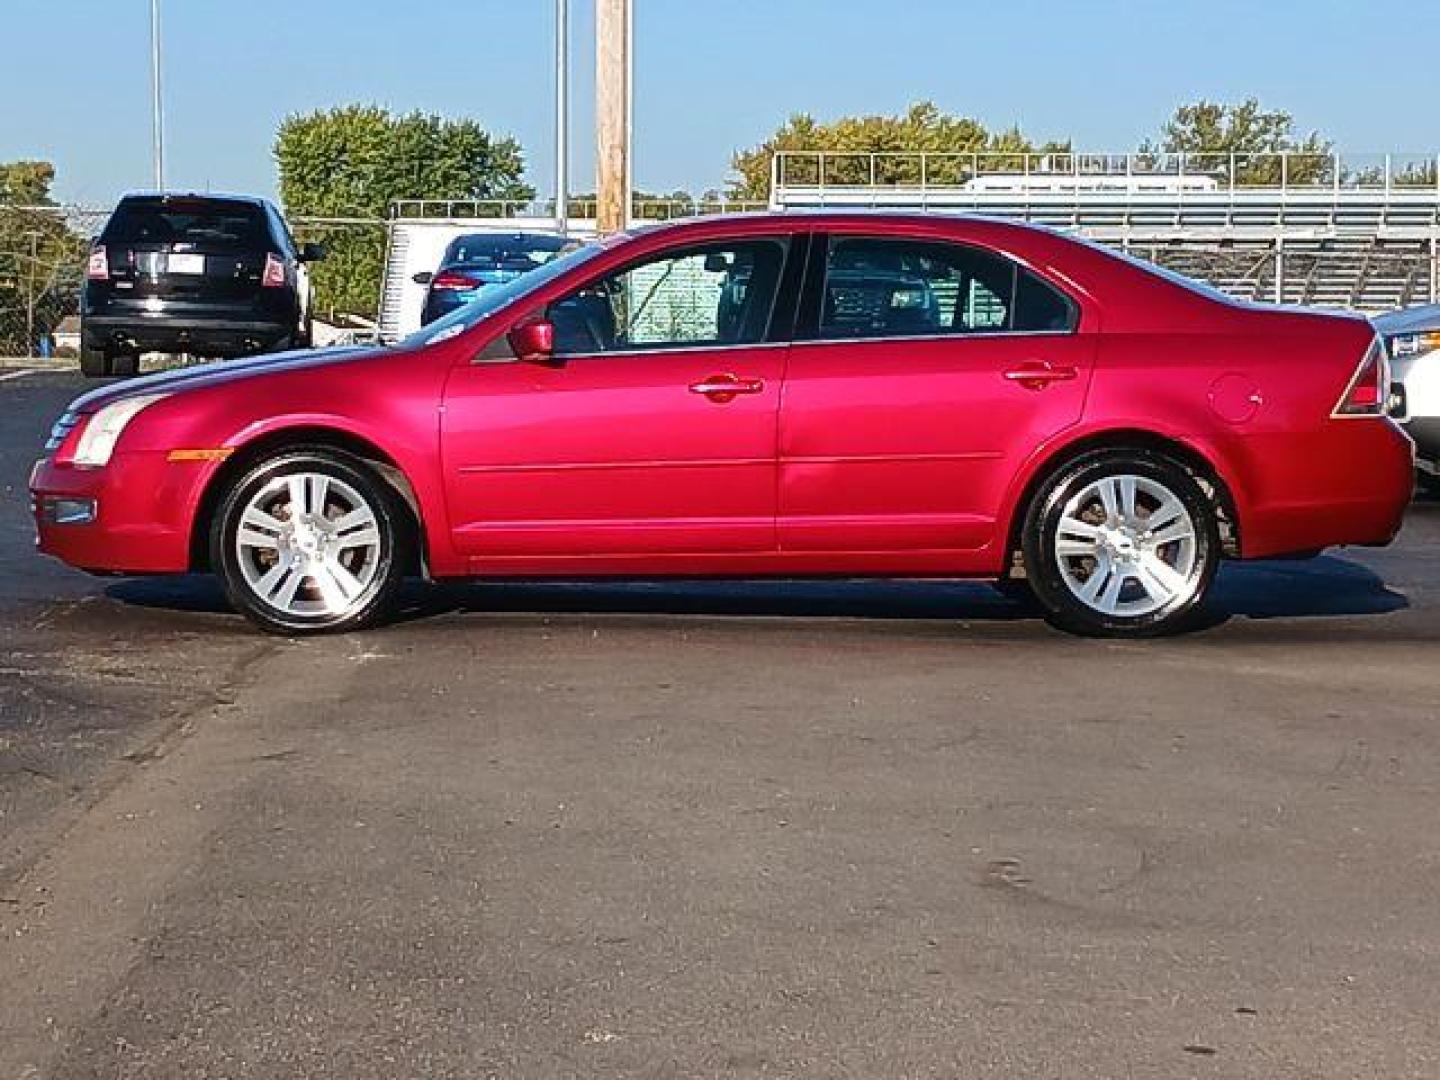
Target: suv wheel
(94,363)
(310,540)
(1121,543)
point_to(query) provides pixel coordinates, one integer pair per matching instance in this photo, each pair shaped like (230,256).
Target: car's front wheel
(310,540)
(1121,543)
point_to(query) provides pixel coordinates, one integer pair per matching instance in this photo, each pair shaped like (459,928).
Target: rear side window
(878,288)
(201,223)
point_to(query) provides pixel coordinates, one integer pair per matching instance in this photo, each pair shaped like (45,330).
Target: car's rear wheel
(310,540)
(94,363)
(1121,543)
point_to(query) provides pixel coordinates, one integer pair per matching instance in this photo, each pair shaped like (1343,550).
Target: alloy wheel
(309,544)
(1126,545)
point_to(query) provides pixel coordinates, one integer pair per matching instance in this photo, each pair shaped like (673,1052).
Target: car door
(652,431)
(932,371)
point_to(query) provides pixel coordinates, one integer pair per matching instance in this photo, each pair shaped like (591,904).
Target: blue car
(472,263)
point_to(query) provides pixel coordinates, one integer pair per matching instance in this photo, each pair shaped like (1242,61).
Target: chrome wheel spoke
(1157,578)
(1125,488)
(260,530)
(1090,589)
(1109,599)
(1180,530)
(280,584)
(368,536)
(354,518)
(1109,498)
(336,585)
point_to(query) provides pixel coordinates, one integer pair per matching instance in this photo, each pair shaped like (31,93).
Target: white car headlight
(1422,341)
(97,441)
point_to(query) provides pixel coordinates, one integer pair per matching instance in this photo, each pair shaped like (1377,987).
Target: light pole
(157,108)
(562,113)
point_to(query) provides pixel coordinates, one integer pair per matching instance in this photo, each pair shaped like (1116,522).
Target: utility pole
(157,119)
(562,113)
(612,113)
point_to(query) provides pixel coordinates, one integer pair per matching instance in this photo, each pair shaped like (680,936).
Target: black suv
(205,274)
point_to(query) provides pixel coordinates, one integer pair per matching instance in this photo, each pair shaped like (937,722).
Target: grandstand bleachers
(1296,229)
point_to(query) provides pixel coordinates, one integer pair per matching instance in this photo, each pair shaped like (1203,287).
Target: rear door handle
(726,387)
(1038,374)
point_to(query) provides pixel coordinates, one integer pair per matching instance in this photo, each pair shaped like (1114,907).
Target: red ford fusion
(780,395)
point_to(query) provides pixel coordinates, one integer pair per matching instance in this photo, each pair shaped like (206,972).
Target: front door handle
(1038,374)
(726,387)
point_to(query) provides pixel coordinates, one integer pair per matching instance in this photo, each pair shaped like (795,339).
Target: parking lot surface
(809,829)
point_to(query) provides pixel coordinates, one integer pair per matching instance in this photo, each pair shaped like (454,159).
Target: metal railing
(581,209)
(1072,171)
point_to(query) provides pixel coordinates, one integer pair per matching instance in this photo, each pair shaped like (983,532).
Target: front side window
(880,288)
(717,294)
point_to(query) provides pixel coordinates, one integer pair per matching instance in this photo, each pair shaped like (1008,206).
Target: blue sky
(709,78)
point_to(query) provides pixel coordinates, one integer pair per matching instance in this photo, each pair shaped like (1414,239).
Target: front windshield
(495,297)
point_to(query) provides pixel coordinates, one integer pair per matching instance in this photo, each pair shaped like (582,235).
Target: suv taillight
(451,279)
(274,272)
(1368,393)
(98,268)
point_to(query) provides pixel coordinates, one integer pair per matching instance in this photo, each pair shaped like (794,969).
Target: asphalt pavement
(751,830)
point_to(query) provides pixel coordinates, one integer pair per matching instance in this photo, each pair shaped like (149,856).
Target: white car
(1413,335)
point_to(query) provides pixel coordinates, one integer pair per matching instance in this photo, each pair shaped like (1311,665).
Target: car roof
(830,219)
(1425,317)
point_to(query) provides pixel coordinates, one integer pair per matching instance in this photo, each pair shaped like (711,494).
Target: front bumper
(143,506)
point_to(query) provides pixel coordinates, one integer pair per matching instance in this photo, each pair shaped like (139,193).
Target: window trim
(807,327)
(787,242)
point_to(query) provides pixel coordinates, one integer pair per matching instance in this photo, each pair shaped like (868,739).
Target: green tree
(40,257)
(1209,133)
(354,161)
(922,127)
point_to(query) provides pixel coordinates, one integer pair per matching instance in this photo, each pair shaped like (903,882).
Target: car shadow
(1324,586)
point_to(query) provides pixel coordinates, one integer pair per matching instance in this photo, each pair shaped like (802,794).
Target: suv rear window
(204,223)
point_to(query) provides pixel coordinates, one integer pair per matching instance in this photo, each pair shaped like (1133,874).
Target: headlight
(98,437)
(1414,344)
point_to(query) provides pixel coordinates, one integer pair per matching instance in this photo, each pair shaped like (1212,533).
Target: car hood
(1408,320)
(225,371)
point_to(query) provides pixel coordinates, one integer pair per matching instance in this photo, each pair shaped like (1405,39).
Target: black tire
(1054,578)
(1428,483)
(370,603)
(94,363)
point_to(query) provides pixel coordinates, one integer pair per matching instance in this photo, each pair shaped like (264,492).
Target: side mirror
(533,342)
(424,277)
(310,253)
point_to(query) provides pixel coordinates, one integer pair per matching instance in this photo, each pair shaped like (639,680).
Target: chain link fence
(44,249)
(43,252)
(42,264)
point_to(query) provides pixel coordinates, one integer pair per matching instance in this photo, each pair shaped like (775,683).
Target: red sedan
(852,395)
